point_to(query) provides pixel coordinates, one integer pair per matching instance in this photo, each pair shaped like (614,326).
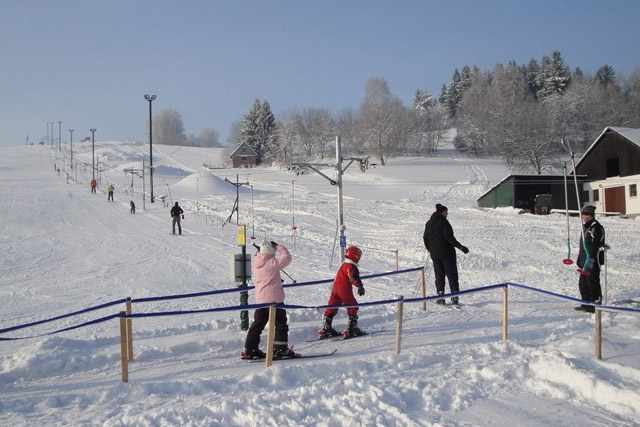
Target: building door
(614,200)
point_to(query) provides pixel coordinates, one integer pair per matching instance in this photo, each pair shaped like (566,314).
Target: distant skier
(110,189)
(266,276)
(441,243)
(347,278)
(176,213)
(132,207)
(94,184)
(589,282)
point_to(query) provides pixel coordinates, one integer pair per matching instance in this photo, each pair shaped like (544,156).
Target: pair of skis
(298,356)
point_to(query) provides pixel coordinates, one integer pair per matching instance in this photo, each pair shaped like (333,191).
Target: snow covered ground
(66,250)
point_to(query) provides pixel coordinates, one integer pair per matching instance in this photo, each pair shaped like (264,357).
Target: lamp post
(93,164)
(150,98)
(59,135)
(71,141)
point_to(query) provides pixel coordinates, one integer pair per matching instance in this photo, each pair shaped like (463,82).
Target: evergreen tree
(454,95)
(605,75)
(555,75)
(259,130)
(532,73)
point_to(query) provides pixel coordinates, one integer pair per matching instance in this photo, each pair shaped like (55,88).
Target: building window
(585,196)
(633,190)
(596,195)
(244,158)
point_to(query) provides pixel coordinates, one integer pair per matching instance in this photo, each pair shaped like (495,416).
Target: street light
(150,98)
(93,165)
(59,135)
(71,132)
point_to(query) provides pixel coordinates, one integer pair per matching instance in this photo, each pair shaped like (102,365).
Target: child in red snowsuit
(347,278)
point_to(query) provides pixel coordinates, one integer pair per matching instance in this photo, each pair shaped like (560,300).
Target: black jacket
(176,211)
(594,239)
(438,237)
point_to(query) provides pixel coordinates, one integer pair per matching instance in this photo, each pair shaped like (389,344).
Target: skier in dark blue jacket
(441,243)
(590,258)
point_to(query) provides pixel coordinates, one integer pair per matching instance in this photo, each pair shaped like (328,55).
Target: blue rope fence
(285,306)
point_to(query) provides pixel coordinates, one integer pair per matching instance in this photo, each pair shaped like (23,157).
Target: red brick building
(244,157)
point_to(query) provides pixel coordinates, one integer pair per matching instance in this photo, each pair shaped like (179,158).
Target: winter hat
(266,247)
(588,210)
(441,208)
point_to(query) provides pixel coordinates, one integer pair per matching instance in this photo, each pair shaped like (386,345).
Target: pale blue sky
(88,63)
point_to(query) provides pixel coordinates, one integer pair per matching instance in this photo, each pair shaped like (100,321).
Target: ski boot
(327,330)
(441,301)
(284,353)
(353,330)
(253,354)
(454,301)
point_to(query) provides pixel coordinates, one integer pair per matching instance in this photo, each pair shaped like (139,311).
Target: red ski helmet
(353,253)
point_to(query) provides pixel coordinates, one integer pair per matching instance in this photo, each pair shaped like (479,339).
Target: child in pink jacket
(266,268)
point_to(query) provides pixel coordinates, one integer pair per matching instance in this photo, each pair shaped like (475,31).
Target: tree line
(168,129)
(519,112)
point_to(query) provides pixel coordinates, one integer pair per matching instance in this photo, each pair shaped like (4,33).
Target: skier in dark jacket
(176,212)
(441,243)
(590,258)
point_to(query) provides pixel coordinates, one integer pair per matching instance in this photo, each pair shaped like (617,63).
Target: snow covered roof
(243,145)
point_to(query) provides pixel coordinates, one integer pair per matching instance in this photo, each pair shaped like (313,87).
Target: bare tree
(380,113)
(208,137)
(168,128)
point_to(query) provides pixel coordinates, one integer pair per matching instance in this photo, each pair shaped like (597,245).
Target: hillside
(67,250)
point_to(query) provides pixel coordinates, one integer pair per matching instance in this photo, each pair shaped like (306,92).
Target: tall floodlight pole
(150,98)
(59,135)
(47,132)
(71,141)
(93,161)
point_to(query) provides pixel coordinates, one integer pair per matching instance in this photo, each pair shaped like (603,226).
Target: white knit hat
(266,247)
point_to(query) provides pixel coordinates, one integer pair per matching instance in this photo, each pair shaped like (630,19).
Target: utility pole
(93,161)
(71,140)
(244,295)
(364,165)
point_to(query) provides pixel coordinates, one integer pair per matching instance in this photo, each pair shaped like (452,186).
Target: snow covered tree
(259,130)
(208,137)
(168,128)
(555,75)
(605,75)
(380,113)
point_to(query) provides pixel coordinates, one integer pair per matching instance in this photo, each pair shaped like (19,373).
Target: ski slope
(66,250)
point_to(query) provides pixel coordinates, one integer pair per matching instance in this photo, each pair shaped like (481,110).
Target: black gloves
(183,216)
(274,244)
(464,249)
(360,289)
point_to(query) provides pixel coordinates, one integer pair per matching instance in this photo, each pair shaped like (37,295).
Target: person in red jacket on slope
(347,278)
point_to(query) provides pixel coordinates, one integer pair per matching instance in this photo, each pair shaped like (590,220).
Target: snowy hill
(66,250)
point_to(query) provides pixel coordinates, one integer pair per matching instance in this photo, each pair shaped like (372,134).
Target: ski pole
(567,260)
(575,180)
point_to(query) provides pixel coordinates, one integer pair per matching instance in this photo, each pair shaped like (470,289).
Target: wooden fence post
(505,311)
(271,332)
(399,324)
(598,334)
(123,348)
(129,330)
(423,289)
